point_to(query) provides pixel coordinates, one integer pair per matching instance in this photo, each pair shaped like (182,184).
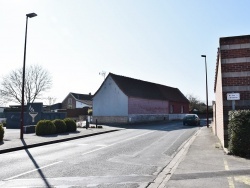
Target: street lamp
(31,15)
(206,86)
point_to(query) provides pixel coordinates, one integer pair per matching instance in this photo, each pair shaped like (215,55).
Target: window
(69,100)
(182,109)
(171,109)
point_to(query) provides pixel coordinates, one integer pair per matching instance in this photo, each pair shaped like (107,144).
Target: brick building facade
(232,75)
(122,99)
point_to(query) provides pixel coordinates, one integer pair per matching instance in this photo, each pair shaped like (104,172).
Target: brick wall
(219,120)
(232,76)
(236,81)
(177,107)
(236,67)
(146,106)
(235,40)
(235,53)
(66,105)
(110,119)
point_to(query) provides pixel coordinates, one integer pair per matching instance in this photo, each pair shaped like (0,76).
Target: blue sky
(160,41)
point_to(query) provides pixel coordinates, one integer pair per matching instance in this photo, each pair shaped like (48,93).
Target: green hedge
(61,126)
(90,112)
(45,127)
(1,132)
(239,132)
(71,124)
(4,124)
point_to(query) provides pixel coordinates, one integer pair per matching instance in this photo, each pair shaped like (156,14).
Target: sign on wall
(233,96)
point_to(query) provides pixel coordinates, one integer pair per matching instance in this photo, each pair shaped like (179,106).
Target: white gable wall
(80,104)
(110,100)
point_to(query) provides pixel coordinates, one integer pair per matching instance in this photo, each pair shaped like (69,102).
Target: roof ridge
(142,80)
(144,89)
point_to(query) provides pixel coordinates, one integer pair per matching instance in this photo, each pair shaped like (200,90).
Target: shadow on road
(36,165)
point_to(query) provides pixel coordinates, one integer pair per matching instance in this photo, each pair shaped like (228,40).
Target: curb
(52,142)
(164,176)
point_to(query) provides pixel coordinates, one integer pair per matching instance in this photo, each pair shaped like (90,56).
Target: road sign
(233,96)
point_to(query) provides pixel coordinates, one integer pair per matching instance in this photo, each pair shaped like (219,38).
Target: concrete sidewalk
(12,141)
(203,163)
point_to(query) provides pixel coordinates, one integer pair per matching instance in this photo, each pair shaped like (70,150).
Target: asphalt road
(128,158)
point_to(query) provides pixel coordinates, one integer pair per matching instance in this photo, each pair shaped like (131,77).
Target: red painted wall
(177,107)
(145,106)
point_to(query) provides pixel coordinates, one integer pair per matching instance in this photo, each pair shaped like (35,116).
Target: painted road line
(243,179)
(100,145)
(229,179)
(105,146)
(31,171)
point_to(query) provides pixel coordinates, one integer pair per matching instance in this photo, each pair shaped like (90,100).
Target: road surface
(129,158)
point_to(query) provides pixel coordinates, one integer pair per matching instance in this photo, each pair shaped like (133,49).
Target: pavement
(200,162)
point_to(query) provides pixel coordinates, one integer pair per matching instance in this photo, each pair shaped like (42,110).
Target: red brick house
(122,99)
(232,75)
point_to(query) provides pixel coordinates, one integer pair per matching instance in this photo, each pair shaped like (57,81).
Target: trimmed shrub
(61,126)
(71,124)
(1,132)
(45,127)
(238,133)
(90,112)
(4,124)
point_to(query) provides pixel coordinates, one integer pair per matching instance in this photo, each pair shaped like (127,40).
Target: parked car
(191,119)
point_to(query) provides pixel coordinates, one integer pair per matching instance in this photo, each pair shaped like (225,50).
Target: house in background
(232,76)
(126,100)
(75,105)
(77,100)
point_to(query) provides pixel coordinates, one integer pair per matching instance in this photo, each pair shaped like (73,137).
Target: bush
(4,124)
(45,127)
(238,133)
(70,124)
(1,132)
(90,112)
(61,126)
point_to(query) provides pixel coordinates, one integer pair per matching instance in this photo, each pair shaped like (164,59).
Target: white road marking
(82,144)
(105,146)
(229,179)
(31,171)
(101,145)
(74,144)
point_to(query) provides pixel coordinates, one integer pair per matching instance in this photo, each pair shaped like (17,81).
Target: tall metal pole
(24,59)
(31,15)
(206,87)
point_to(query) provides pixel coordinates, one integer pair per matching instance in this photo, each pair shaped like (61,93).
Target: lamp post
(206,86)
(30,15)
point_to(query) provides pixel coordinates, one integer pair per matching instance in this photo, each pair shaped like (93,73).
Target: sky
(159,41)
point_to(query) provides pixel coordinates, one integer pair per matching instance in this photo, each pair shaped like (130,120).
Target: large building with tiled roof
(122,99)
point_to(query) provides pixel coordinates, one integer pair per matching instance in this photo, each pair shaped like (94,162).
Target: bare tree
(37,81)
(195,103)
